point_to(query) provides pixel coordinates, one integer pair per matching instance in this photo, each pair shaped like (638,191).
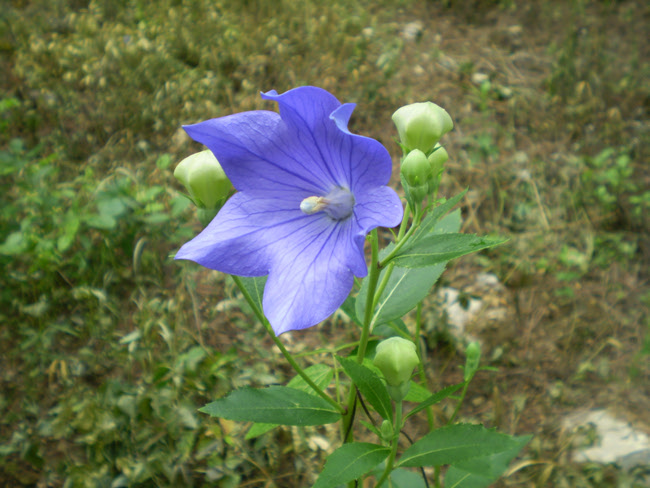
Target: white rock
(412,30)
(479,78)
(618,442)
(458,314)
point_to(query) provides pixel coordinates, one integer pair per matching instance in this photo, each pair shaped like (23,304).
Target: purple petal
(238,240)
(378,207)
(276,161)
(312,276)
(256,153)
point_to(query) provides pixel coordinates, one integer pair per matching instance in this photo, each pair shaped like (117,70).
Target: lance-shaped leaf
(274,405)
(401,478)
(349,462)
(480,472)
(439,248)
(417,393)
(370,386)
(320,374)
(435,398)
(430,222)
(406,287)
(455,443)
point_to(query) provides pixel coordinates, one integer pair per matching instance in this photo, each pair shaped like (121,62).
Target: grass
(108,348)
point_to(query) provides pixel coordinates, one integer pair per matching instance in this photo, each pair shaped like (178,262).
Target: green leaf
(101,221)
(449,223)
(435,398)
(16,243)
(417,393)
(370,385)
(320,374)
(432,218)
(349,308)
(349,462)
(455,443)
(395,327)
(70,228)
(439,248)
(401,478)
(406,287)
(482,471)
(255,286)
(273,405)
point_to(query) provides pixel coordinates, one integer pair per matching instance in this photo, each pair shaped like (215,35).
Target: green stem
(402,227)
(460,402)
(285,352)
(436,477)
(395,441)
(373,278)
(389,269)
(421,371)
(402,238)
(383,284)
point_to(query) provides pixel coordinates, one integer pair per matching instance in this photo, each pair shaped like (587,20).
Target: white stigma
(337,204)
(311,205)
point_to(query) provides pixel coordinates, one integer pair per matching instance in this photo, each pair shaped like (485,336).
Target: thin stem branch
(421,371)
(373,277)
(460,402)
(395,441)
(402,238)
(285,352)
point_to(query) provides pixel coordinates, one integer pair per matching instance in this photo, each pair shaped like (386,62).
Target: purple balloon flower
(308,193)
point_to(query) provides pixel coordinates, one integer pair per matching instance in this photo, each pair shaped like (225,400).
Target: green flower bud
(396,357)
(421,125)
(472,360)
(437,160)
(386,430)
(204,179)
(416,171)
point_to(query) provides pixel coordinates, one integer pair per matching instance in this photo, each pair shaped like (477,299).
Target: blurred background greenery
(108,347)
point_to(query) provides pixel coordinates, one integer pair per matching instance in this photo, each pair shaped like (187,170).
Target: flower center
(338,204)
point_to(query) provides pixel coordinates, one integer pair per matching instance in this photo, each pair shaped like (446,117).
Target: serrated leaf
(430,221)
(406,287)
(480,472)
(349,462)
(439,248)
(449,223)
(320,374)
(435,398)
(273,405)
(417,393)
(370,385)
(455,443)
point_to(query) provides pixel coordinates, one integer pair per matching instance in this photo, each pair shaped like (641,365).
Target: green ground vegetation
(108,347)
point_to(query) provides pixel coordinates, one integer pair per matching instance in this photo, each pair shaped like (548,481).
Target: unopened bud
(437,160)
(204,179)
(472,360)
(386,430)
(396,357)
(416,171)
(421,125)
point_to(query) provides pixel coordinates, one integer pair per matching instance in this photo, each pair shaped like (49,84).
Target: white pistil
(311,205)
(337,204)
